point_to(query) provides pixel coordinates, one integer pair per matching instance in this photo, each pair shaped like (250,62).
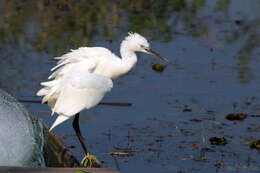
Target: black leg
(77,130)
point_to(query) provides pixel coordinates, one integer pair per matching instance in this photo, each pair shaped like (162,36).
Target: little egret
(83,76)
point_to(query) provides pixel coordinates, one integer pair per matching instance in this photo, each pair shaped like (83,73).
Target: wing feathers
(75,87)
(59,120)
(80,93)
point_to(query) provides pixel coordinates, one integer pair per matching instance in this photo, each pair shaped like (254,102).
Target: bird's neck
(129,57)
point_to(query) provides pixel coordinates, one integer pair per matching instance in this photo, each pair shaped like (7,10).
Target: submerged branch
(101,103)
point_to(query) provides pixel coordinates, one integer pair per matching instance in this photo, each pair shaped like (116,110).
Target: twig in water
(101,103)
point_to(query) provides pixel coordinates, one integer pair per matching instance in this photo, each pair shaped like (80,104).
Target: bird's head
(138,43)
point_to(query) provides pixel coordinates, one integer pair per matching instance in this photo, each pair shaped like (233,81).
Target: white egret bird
(83,76)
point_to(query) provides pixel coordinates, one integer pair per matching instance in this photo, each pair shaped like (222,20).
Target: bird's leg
(78,133)
(88,160)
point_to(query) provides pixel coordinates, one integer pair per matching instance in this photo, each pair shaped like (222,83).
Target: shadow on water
(213,47)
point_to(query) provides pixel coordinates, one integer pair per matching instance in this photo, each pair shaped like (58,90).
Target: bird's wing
(79,89)
(75,56)
(75,86)
(81,92)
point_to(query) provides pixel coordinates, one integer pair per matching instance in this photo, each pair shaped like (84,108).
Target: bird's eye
(142,46)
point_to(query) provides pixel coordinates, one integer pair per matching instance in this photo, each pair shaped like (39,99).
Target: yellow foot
(90,161)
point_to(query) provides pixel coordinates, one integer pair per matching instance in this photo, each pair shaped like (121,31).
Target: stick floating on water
(101,103)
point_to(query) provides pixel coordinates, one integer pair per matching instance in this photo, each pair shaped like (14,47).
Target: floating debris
(206,149)
(194,147)
(121,154)
(255,116)
(195,120)
(186,109)
(220,165)
(236,116)
(239,22)
(81,171)
(255,144)
(158,67)
(210,112)
(218,141)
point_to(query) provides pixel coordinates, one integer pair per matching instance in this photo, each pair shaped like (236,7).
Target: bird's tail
(59,120)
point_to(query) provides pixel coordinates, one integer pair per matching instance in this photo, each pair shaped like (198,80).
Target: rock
(218,141)
(26,141)
(20,142)
(255,144)
(236,116)
(159,67)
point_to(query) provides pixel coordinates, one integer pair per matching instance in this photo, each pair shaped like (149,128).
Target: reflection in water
(57,26)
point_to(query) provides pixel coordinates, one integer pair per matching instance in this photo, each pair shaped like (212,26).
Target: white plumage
(83,76)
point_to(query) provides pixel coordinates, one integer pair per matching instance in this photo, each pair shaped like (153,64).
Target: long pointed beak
(156,54)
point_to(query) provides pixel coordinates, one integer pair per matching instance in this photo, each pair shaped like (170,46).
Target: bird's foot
(90,161)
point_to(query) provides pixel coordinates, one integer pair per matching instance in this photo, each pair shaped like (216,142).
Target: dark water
(214,51)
